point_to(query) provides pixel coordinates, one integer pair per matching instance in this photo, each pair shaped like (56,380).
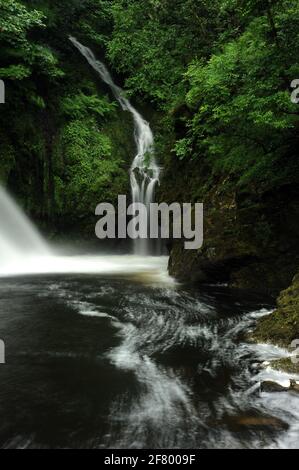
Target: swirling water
(135,361)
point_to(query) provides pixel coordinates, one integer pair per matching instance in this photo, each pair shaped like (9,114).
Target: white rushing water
(23,251)
(144,269)
(18,237)
(144,173)
(22,248)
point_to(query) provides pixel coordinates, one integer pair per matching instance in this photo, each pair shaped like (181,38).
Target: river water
(131,359)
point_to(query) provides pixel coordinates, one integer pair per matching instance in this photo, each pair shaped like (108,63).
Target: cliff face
(247,244)
(250,237)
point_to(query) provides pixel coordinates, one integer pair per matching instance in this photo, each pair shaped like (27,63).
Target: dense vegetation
(230,63)
(59,132)
(217,74)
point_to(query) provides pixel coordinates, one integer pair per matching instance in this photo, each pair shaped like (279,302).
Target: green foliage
(19,53)
(244,121)
(15,72)
(16,21)
(232,62)
(80,106)
(91,172)
(153,41)
(54,152)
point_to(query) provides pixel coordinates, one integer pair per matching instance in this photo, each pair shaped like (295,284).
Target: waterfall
(144,172)
(18,238)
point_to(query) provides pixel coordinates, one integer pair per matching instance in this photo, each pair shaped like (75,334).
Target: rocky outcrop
(250,240)
(274,387)
(282,327)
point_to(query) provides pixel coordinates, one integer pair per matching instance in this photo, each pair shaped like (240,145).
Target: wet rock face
(249,242)
(282,327)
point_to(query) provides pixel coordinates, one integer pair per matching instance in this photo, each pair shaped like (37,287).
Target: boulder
(273,387)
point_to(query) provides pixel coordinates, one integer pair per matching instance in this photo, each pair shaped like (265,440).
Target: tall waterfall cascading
(19,239)
(22,248)
(144,173)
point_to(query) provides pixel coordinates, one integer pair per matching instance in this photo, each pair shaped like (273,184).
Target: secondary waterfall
(144,173)
(18,237)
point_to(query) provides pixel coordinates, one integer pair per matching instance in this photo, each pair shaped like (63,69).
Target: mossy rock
(285,365)
(282,327)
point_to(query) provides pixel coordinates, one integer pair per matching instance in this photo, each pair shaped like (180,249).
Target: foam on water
(148,269)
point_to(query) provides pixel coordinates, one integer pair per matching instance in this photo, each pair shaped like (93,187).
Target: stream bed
(134,360)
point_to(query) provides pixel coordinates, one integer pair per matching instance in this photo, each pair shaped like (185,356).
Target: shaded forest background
(213,78)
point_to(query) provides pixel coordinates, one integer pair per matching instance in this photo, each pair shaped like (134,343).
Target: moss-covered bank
(282,327)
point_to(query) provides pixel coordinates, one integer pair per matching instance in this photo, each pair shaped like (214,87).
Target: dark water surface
(118,363)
